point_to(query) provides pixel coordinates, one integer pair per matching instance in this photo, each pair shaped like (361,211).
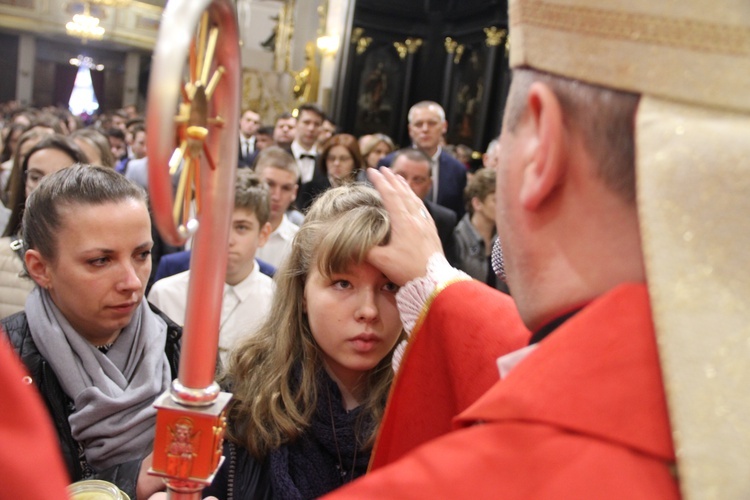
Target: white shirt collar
(507,362)
(287,229)
(244,287)
(436,156)
(298,149)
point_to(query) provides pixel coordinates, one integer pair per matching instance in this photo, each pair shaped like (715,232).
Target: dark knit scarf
(309,467)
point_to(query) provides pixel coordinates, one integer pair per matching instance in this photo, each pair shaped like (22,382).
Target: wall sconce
(328,45)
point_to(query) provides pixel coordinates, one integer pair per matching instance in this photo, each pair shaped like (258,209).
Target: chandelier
(85,26)
(86,62)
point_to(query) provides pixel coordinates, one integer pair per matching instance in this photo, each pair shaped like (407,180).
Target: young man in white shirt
(280,172)
(247,292)
(309,121)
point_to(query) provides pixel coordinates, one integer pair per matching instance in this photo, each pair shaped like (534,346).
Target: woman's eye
(391,287)
(145,254)
(98,262)
(342,284)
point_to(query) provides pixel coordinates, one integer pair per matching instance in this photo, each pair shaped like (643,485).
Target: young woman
(339,163)
(95,145)
(26,141)
(375,148)
(47,155)
(310,388)
(51,153)
(9,142)
(97,352)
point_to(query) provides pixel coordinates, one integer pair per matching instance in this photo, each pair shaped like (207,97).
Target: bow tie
(306,155)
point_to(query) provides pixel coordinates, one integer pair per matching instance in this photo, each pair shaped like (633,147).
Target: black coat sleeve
(240,477)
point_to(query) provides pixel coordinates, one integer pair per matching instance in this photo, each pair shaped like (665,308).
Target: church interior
(364,62)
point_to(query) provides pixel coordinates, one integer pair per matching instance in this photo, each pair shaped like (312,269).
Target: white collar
(246,286)
(434,157)
(507,362)
(298,149)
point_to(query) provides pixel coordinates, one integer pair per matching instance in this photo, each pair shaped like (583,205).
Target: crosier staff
(198,38)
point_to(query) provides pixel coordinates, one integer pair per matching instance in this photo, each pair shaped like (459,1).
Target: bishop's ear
(37,268)
(545,168)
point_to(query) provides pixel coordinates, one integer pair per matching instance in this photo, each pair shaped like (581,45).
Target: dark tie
(306,155)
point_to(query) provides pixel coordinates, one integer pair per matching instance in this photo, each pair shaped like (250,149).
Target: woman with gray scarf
(99,354)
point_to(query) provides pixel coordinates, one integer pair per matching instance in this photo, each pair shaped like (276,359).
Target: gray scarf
(114,392)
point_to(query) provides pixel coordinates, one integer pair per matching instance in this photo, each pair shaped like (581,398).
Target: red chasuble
(30,462)
(583,416)
(450,362)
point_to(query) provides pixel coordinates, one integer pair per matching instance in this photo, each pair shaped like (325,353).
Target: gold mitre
(687,50)
(690,61)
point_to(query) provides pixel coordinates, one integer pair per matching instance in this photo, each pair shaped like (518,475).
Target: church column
(450,50)
(332,32)
(25,73)
(132,70)
(406,51)
(495,37)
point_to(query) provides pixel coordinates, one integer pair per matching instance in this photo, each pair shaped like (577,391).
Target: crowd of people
(305,217)
(394,324)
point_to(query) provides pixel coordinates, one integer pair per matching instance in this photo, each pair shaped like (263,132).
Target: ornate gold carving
(362,44)
(182,448)
(494,36)
(401,49)
(360,40)
(450,45)
(284,34)
(460,48)
(268,92)
(307,79)
(357,34)
(413,44)
(690,34)
(409,46)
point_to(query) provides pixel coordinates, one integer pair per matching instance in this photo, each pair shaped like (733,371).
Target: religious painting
(379,86)
(467,93)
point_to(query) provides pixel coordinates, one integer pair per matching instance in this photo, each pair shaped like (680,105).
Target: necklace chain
(340,465)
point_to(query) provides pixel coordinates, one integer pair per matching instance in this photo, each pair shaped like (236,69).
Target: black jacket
(445,221)
(61,406)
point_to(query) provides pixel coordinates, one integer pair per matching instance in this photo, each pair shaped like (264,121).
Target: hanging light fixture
(85,26)
(86,62)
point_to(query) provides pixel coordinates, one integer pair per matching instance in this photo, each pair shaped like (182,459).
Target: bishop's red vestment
(30,461)
(583,416)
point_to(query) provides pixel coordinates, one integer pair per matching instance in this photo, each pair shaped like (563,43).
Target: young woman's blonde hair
(274,374)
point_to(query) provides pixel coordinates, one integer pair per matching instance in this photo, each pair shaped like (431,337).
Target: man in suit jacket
(427,125)
(414,166)
(249,124)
